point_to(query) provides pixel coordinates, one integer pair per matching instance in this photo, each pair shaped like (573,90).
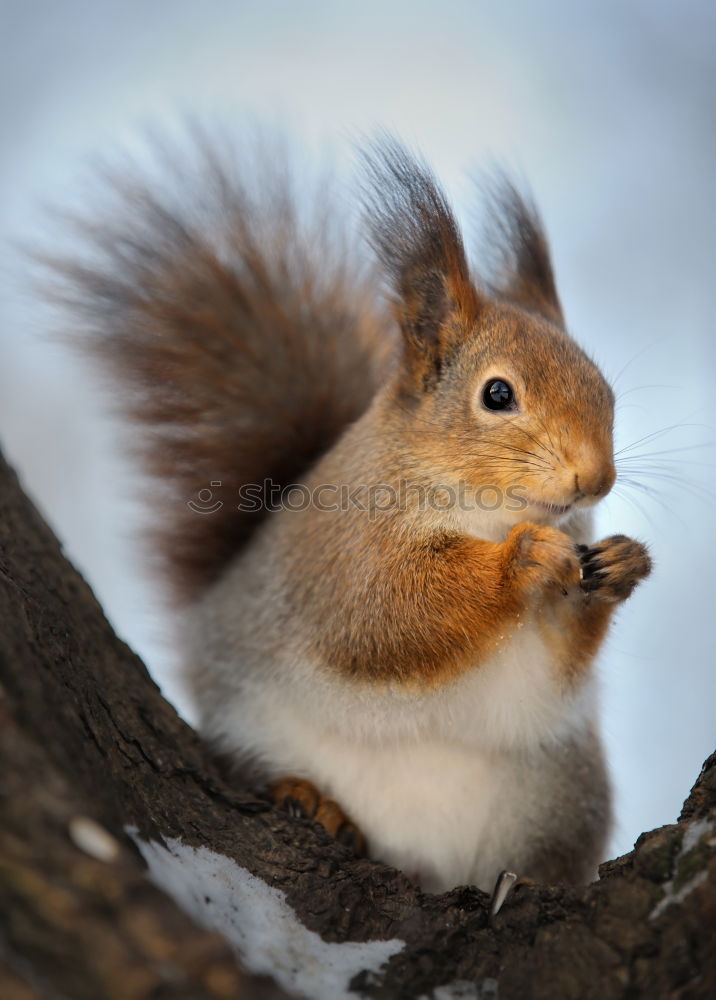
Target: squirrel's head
(502,403)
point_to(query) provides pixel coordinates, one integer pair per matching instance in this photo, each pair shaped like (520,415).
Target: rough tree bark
(84,732)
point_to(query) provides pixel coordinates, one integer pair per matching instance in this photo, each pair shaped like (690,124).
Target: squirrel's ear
(416,237)
(515,239)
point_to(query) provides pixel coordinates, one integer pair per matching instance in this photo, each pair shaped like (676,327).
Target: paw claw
(302,800)
(294,808)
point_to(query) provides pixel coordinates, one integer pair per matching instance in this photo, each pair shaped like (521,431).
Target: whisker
(666,451)
(653,495)
(639,507)
(538,458)
(640,388)
(654,435)
(686,486)
(540,444)
(545,428)
(639,354)
(670,471)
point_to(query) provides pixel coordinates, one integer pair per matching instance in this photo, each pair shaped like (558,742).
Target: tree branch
(84,732)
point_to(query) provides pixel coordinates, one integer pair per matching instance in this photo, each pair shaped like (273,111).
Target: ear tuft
(516,241)
(414,233)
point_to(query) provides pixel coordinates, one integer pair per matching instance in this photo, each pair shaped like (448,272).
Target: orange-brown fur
(396,601)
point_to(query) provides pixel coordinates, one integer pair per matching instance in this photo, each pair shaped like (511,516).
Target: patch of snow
(693,836)
(258,923)
(676,897)
(694,833)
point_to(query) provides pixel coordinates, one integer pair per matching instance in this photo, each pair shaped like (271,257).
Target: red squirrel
(402,645)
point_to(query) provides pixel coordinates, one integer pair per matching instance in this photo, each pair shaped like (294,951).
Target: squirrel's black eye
(498,395)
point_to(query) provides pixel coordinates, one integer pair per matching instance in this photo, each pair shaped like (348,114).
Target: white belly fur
(437,781)
(437,811)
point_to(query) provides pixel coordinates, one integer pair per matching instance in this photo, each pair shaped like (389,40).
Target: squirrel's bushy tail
(244,335)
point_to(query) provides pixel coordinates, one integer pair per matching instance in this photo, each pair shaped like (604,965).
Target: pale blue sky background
(608,108)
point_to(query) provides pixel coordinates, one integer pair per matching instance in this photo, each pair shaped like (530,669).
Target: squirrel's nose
(595,480)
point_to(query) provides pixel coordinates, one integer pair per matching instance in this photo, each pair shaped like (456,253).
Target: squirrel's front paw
(541,558)
(613,567)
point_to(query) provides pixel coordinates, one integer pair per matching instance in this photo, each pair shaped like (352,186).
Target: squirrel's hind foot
(301,798)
